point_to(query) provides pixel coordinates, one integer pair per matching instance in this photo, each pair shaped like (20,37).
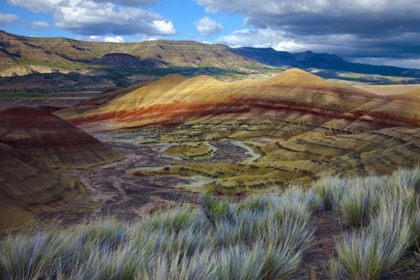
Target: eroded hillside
(298,126)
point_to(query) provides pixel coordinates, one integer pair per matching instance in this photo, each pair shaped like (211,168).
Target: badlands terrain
(128,152)
(70,160)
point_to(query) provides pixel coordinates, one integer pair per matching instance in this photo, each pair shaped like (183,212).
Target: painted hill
(300,126)
(51,140)
(28,186)
(175,99)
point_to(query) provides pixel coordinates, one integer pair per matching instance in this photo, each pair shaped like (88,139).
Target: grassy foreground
(263,237)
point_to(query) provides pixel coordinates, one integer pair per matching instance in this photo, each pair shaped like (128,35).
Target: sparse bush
(377,251)
(331,190)
(107,233)
(279,264)
(256,203)
(177,266)
(238,262)
(216,210)
(27,256)
(407,178)
(416,228)
(358,204)
(265,237)
(290,207)
(175,220)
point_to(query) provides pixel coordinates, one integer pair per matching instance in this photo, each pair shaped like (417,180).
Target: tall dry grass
(266,236)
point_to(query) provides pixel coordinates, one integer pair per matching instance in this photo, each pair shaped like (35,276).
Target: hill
(300,127)
(175,99)
(51,140)
(58,59)
(28,186)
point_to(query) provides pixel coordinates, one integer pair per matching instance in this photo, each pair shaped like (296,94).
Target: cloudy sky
(371,31)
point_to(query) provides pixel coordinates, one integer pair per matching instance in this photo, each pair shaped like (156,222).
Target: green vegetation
(265,236)
(22,95)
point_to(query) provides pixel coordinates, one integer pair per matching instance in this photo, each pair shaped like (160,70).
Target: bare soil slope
(51,140)
(28,186)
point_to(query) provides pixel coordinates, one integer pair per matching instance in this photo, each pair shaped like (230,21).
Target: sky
(384,32)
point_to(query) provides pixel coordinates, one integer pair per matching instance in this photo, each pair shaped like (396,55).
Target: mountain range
(79,65)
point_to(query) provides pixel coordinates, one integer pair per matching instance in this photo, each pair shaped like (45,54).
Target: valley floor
(112,191)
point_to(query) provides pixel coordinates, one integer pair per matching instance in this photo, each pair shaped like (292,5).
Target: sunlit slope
(99,100)
(286,97)
(28,186)
(51,140)
(302,126)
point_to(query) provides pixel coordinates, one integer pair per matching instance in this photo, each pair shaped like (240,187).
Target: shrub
(377,251)
(238,262)
(216,210)
(331,190)
(358,204)
(26,256)
(175,220)
(177,266)
(256,203)
(107,233)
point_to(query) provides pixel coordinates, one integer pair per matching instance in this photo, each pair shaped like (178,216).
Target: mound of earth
(51,140)
(28,186)
(175,99)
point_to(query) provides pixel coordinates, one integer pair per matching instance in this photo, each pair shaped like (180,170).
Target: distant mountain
(121,63)
(325,61)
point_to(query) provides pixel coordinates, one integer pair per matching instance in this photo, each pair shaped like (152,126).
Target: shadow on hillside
(110,77)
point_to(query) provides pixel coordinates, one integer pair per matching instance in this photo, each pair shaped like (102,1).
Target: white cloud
(87,17)
(8,19)
(405,63)
(275,7)
(133,3)
(285,41)
(370,28)
(208,26)
(116,39)
(94,38)
(39,25)
(163,27)
(263,38)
